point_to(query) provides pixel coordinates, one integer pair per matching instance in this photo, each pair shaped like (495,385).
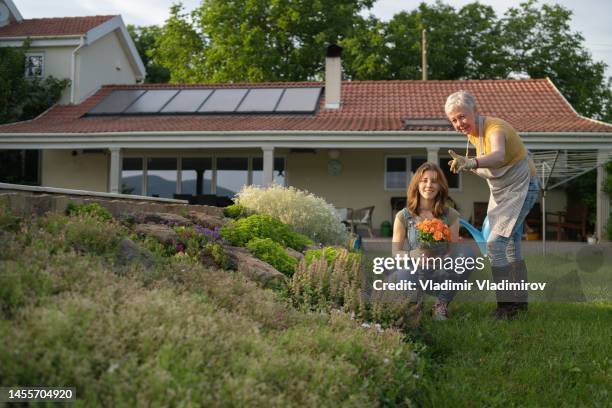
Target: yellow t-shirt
(515,149)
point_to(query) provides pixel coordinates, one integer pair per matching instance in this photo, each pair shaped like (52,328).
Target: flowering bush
(197,239)
(304,212)
(433,231)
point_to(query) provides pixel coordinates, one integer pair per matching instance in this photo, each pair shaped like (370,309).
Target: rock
(254,268)
(313,246)
(206,220)
(162,233)
(295,254)
(207,209)
(161,218)
(129,252)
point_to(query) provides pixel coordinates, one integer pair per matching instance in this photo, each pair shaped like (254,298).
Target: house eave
(42,41)
(288,139)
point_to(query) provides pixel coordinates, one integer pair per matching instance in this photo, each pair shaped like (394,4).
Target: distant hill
(166,188)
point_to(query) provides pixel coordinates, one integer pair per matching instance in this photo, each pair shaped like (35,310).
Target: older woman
(501,159)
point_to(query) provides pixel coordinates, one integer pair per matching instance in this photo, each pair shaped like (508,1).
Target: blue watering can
(481,236)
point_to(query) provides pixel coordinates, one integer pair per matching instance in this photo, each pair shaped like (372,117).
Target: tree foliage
(24,98)
(146,38)
(246,40)
(284,40)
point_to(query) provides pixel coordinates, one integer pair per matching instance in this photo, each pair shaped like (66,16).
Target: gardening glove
(460,163)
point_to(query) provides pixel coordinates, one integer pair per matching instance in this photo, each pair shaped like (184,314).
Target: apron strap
(480,134)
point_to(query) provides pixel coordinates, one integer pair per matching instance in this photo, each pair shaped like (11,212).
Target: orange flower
(433,230)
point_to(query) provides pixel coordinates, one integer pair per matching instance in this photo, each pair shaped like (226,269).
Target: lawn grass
(558,354)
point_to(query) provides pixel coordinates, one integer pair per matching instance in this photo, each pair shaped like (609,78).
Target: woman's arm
(399,238)
(496,157)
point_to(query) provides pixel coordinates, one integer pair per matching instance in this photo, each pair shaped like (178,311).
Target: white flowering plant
(303,211)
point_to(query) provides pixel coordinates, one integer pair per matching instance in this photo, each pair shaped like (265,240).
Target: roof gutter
(284,139)
(73,69)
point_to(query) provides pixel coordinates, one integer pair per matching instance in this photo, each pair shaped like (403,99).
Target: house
(89,51)
(355,143)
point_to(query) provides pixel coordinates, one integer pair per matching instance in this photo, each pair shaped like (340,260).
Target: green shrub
(89,210)
(329,253)
(218,254)
(304,212)
(235,211)
(8,221)
(241,231)
(273,253)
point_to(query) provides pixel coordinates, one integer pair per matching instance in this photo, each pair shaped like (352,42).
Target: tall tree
(543,45)
(146,38)
(24,98)
(248,40)
(446,52)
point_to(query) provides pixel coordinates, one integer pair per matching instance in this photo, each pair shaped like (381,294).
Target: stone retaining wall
(27,203)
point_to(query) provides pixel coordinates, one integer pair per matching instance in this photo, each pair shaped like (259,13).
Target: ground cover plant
(176,333)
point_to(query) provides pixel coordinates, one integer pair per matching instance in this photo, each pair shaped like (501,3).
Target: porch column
(268,165)
(432,154)
(603,200)
(114,180)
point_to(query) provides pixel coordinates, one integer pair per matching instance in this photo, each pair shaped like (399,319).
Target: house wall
(97,65)
(57,63)
(89,171)
(362,182)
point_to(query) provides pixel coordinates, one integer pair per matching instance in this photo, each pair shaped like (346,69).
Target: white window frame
(408,158)
(42,68)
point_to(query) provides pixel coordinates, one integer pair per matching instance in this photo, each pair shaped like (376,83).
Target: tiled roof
(532,105)
(45,27)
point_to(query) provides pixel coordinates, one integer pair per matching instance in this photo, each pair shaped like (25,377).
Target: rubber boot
(505,305)
(520,298)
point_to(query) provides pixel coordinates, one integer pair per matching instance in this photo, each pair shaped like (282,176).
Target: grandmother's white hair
(460,99)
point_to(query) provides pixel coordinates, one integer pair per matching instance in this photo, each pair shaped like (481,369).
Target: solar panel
(203,101)
(299,100)
(187,100)
(151,102)
(260,100)
(117,101)
(223,100)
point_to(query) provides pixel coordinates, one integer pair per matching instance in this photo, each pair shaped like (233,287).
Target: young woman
(426,199)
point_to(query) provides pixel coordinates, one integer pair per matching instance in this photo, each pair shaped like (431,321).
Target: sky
(590,17)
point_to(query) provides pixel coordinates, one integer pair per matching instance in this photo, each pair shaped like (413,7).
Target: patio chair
(574,219)
(361,217)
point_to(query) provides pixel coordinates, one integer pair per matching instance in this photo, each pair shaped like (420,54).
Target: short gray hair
(460,99)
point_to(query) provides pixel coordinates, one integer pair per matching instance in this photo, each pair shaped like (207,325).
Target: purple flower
(180,247)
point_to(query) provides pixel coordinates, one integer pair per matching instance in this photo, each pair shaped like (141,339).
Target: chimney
(333,77)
